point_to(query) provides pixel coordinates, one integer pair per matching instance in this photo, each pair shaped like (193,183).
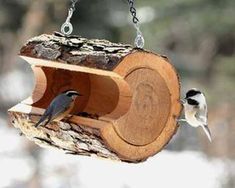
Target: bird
(195,110)
(59,108)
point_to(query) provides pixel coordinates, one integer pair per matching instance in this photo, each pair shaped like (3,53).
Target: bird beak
(207,131)
(182,101)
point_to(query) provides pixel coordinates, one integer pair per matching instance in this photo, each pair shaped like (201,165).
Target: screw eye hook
(67,27)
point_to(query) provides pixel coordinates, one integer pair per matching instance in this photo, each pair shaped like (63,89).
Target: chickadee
(59,108)
(195,109)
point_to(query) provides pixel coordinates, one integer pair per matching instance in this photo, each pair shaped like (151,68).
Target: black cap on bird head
(72,93)
(192,92)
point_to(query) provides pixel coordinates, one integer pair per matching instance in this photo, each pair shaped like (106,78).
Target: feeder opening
(100,93)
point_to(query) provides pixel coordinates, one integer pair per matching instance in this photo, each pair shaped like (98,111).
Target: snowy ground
(167,169)
(57,170)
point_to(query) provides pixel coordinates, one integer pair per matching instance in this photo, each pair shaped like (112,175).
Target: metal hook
(67,27)
(139,40)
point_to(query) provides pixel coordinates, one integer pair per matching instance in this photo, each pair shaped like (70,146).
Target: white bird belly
(191,119)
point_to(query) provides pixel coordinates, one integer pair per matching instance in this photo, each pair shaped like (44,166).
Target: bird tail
(43,121)
(38,123)
(207,131)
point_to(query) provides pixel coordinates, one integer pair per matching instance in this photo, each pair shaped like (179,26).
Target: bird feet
(68,118)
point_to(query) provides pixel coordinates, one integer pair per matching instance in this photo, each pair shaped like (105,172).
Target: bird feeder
(130,100)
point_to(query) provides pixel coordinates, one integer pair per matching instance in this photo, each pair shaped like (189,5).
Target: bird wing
(202,114)
(60,105)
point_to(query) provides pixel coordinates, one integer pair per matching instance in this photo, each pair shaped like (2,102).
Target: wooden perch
(130,103)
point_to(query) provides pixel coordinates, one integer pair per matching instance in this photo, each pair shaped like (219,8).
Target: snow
(11,137)
(13,170)
(167,169)
(11,86)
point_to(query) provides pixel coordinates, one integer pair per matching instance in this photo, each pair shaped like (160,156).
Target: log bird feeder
(130,100)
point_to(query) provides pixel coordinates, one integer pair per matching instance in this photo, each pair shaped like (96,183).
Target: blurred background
(199,38)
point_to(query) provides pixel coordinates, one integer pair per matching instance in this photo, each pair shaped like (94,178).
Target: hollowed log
(130,99)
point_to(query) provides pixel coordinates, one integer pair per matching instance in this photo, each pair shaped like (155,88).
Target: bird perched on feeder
(195,109)
(59,108)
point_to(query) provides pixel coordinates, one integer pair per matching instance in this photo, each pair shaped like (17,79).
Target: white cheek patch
(200,98)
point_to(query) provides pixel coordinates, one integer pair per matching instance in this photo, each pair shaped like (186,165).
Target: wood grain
(149,110)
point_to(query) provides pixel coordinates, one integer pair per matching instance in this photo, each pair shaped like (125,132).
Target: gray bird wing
(59,105)
(202,114)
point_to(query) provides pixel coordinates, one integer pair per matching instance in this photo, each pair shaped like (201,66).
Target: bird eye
(192,102)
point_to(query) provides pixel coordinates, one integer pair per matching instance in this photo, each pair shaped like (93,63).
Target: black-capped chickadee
(59,108)
(195,109)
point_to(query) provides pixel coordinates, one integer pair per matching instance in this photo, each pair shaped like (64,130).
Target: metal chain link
(67,27)
(139,40)
(133,11)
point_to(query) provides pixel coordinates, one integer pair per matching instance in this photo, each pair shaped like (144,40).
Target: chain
(67,27)
(139,40)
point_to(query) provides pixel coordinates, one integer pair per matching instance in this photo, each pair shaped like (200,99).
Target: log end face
(149,109)
(150,122)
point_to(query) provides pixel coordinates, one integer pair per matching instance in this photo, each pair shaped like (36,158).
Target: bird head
(192,92)
(192,96)
(72,93)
